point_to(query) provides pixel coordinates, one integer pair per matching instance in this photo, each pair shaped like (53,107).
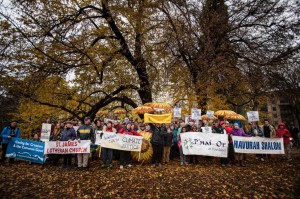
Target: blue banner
(26,150)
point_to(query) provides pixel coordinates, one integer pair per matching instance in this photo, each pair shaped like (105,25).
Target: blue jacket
(175,131)
(68,134)
(7,131)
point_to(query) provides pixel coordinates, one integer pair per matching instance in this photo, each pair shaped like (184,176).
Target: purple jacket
(68,134)
(239,132)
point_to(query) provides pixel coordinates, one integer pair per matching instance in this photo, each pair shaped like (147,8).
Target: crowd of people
(165,140)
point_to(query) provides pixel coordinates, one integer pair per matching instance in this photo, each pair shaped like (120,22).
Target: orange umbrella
(225,112)
(120,111)
(143,109)
(102,112)
(204,117)
(159,105)
(235,117)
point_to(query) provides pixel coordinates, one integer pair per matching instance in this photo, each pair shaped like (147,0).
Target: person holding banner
(125,155)
(220,129)
(237,131)
(283,132)
(255,131)
(106,153)
(85,132)
(7,133)
(68,134)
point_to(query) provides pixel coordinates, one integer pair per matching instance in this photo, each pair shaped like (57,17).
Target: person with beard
(7,133)
(85,132)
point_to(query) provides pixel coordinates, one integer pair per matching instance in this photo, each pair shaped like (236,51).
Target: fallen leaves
(270,179)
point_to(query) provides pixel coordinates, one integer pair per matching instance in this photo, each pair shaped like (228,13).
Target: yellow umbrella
(225,112)
(204,117)
(102,112)
(235,117)
(159,105)
(143,109)
(120,111)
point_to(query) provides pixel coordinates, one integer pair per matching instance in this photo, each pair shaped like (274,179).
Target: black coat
(157,134)
(168,139)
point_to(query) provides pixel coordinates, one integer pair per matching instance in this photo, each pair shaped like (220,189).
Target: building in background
(279,110)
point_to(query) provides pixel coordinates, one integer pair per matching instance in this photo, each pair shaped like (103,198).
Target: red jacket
(229,131)
(283,133)
(128,132)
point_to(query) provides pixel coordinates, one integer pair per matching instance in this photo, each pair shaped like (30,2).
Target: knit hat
(222,122)
(235,124)
(109,122)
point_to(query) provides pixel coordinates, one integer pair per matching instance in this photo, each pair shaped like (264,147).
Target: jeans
(182,156)
(106,154)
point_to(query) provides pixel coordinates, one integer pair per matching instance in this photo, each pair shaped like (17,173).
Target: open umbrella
(159,105)
(120,111)
(102,112)
(225,112)
(235,117)
(143,109)
(204,117)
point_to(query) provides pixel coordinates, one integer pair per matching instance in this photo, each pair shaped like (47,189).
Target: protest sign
(98,137)
(196,114)
(258,145)
(75,128)
(159,119)
(67,147)
(253,116)
(46,131)
(195,143)
(121,141)
(26,150)
(177,112)
(210,114)
(188,120)
(206,129)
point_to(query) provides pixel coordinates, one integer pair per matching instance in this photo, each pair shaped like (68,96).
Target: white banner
(67,147)
(195,143)
(119,141)
(98,138)
(196,114)
(206,129)
(177,112)
(253,116)
(258,145)
(46,131)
